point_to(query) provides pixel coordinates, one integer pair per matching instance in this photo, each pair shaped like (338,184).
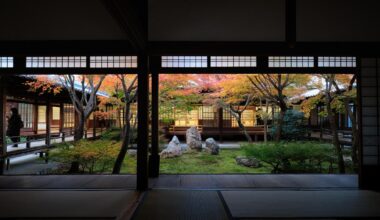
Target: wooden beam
(48,122)
(240,70)
(3,144)
(127,14)
(154,158)
(143,123)
(61,117)
(66,48)
(207,48)
(291,23)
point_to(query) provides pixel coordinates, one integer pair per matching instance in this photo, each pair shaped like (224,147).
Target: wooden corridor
(191,181)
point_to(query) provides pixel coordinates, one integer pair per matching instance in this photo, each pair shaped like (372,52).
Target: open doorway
(71,124)
(258,123)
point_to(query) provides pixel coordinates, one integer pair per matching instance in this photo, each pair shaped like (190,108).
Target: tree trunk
(355,135)
(335,138)
(79,129)
(124,146)
(244,130)
(78,135)
(280,122)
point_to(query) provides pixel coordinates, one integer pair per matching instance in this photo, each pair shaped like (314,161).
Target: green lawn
(101,155)
(199,162)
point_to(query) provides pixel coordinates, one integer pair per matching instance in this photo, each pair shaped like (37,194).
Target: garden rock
(193,138)
(247,161)
(173,149)
(212,146)
(132,152)
(184,147)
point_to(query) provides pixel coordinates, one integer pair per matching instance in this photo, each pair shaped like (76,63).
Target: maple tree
(129,94)
(43,84)
(83,91)
(341,103)
(234,94)
(277,88)
(337,91)
(84,102)
(178,93)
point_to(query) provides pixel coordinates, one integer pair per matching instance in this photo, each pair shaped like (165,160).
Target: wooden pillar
(154,158)
(3,144)
(369,123)
(48,122)
(143,124)
(61,117)
(35,117)
(62,121)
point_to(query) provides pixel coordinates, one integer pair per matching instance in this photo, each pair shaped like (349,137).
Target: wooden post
(154,158)
(48,122)
(3,144)
(62,121)
(143,124)
(28,140)
(61,117)
(35,117)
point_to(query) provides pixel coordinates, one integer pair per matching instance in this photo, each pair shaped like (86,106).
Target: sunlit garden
(209,123)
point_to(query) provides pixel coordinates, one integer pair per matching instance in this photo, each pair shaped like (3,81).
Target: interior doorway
(214,121)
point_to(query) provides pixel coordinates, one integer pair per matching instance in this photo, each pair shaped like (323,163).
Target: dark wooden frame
(149,53)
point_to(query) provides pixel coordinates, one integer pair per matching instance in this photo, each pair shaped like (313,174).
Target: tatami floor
(187,197)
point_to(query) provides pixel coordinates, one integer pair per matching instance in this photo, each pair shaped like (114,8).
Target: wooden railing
(174,129)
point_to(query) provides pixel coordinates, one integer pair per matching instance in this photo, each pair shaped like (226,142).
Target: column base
(154,166)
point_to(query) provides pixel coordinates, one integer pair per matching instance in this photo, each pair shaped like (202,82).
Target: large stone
(248,161)
(132,152)
(212,146)
(173,149)
(184,147)
(193,138)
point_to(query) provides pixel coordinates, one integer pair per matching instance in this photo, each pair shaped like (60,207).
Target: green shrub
(292,157)
(92,156)
(293,127)
(113,134)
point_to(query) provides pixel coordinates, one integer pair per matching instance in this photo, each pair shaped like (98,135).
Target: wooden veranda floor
(187,197)
(190,181)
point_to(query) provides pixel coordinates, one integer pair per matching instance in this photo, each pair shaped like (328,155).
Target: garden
(272,123)
(95,157)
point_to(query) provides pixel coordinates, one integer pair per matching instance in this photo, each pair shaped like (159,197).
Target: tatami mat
(176,204)
(68,182)
(65,204)
(303,204)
